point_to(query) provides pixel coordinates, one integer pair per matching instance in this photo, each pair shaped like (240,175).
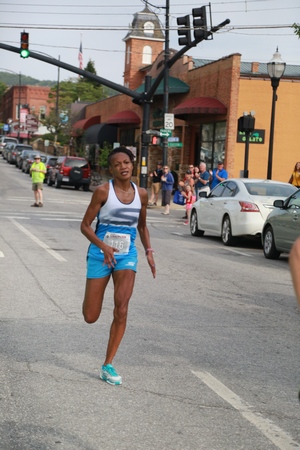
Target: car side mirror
(278,203)
(202,194)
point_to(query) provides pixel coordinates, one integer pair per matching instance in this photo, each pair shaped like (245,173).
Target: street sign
(165,133)
(169,121)
(173,139)
(32,123)
(175,144)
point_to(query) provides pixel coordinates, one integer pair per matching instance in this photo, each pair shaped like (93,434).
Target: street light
(276,68)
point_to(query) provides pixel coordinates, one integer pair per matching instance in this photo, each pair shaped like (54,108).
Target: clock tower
(144,42)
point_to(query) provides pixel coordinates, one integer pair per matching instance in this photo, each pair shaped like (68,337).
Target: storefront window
(211,147)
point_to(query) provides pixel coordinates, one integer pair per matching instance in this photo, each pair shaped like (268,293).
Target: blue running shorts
(96,269)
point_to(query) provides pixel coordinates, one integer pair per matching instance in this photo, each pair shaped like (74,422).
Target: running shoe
(109,375)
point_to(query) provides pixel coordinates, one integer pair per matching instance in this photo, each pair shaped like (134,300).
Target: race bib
(119,241)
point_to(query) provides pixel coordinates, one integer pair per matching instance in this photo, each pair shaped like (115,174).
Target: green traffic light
(24,53)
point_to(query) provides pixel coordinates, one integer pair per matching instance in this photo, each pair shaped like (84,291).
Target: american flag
(80,57)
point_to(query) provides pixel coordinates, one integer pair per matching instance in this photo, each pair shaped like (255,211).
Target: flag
(80,57)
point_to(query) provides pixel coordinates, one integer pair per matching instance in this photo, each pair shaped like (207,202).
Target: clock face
(149,28)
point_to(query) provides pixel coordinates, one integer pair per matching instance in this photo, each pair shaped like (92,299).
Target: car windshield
(52,161)
(76,163)
(270,189)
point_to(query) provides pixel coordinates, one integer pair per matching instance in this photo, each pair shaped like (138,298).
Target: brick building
(33,100)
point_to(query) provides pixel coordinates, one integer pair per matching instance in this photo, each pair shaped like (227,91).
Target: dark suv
(70,171)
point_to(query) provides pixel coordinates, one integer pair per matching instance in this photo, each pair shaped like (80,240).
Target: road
(210,359)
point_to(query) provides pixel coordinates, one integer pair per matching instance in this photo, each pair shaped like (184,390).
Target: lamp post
(276,68)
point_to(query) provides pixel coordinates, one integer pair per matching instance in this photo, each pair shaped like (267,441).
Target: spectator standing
(167,180)
(155,188)
(188,181)
(37,172)
(295,177)
(294,261)
(188,202)
(202,180)
(219,174)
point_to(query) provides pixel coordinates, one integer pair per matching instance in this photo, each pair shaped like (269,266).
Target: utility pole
(19,107)
(166,79)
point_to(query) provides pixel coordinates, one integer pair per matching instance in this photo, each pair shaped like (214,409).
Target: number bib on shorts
(118,241)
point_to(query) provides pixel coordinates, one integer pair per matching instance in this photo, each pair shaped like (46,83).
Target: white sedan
(237,207)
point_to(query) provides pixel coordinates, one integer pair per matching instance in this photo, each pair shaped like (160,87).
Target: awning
(98,134)
(81,125)
(124,117)
(200,105)
(21,135)
(176,86)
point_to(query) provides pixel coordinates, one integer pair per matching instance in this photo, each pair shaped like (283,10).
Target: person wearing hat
(219,174)
(155,188)
(37,173)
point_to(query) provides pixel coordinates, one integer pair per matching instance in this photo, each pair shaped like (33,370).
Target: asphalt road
(210,359)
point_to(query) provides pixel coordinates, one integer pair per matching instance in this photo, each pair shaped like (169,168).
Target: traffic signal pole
(166,81)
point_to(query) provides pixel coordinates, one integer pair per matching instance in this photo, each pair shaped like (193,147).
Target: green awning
(176,86)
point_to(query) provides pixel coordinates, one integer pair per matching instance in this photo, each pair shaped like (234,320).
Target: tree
(296,27)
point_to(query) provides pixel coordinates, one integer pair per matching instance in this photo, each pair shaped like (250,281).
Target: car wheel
(77,186)
(194,225)
(57,183)
(86,187)
(226,234)
(269,248)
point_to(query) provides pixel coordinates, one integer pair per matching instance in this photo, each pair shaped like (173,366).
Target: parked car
(13,150)
(237,207)
(49,163)
(282,226)
(70,171)
(22,156)
(4,140)
(30,159)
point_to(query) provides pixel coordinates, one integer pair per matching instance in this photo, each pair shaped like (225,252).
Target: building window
(211,147)
(42,112)
(147,55)
(128,55)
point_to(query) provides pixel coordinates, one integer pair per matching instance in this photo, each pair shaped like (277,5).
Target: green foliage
(3,88)
(61,138)
(296,27)
(103,154)
(12,79)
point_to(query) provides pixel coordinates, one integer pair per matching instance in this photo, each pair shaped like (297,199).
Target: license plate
(65,178)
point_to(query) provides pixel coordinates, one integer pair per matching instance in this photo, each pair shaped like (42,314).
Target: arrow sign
(165,133)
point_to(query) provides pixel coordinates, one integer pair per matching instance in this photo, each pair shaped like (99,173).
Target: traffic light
(199,23)
(246,124)
(156,140)
(185,30)
(24,45)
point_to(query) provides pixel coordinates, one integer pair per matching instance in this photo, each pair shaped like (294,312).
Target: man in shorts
(37,173)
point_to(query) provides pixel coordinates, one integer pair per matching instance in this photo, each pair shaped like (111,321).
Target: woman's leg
(93,298)
(123,287)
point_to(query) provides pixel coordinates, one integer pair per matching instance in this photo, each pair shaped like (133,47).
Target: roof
(200,105)
(81,125)
(137,26)
(124,117)
(291,70)
(176,86)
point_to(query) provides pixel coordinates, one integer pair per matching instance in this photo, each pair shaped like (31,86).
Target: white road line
(239,253)
(61,219)
(272,432)
(1,255)
(37,241)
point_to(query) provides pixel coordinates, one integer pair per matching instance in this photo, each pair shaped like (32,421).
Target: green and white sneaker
(109,375)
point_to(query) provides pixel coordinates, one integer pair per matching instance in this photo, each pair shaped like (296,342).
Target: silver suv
(5,140)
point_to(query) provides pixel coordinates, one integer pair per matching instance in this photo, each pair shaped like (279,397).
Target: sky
(256,29)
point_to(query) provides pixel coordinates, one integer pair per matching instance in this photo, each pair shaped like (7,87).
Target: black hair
(121,149)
